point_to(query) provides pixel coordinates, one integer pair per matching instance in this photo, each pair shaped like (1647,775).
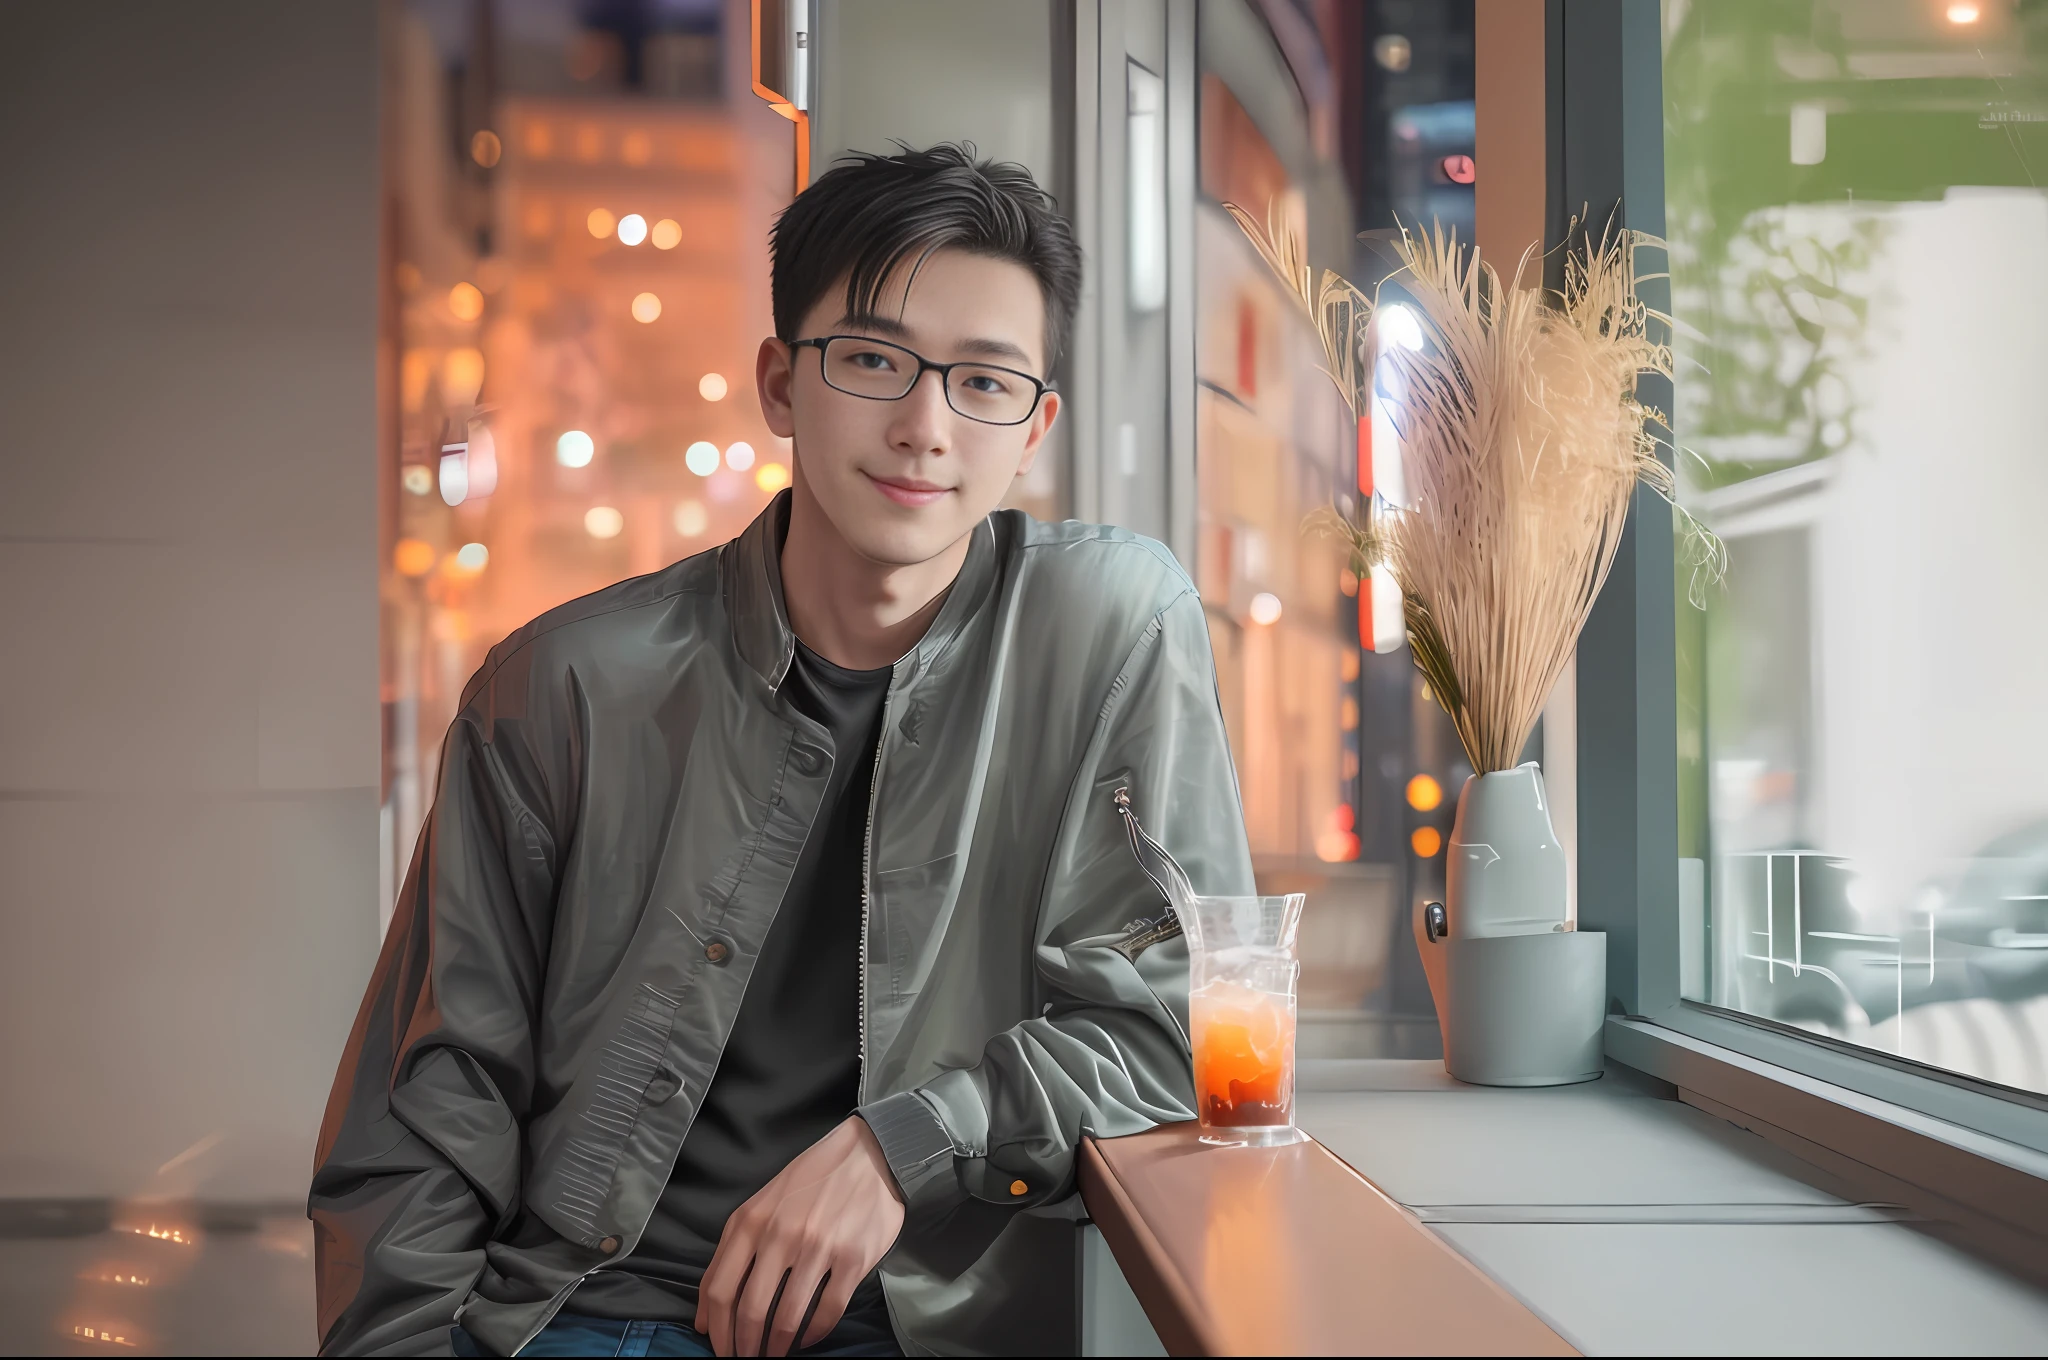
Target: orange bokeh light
(1424,793)
(466,300)
(485,148)
(1426,841)
(413,557)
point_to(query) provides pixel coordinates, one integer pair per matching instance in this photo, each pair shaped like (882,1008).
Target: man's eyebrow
(980,346)
(993,349)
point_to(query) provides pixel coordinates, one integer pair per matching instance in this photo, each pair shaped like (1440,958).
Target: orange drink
(1242,969)
(1244,1056)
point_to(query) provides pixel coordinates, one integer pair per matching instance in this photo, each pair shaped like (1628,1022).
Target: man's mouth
(908,490)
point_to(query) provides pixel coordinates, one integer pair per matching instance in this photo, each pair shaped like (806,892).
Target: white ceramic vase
(1518,991)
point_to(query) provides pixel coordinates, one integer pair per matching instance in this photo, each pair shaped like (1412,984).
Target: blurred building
(578,204)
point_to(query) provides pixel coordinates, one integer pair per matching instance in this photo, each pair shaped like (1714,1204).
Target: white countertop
(1635,1225)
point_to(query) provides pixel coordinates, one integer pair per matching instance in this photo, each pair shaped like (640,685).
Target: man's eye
(991,384)
(873,360)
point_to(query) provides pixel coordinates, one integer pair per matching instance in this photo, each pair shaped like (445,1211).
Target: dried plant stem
(1522,442)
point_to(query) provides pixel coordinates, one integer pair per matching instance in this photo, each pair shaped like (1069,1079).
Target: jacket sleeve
(1109,1054)
(418,1161)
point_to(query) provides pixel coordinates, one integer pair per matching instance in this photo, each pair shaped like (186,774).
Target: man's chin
(906,549)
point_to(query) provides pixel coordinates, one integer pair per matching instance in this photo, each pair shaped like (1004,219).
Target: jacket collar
(751,566)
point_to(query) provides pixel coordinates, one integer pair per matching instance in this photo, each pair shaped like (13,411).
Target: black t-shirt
(790,1073)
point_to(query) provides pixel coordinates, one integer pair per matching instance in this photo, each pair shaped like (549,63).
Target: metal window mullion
(1605,66)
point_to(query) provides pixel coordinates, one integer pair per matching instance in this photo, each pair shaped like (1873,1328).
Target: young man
(774,922)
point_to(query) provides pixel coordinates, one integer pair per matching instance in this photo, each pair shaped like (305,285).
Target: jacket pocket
(589,1156)
(916,904)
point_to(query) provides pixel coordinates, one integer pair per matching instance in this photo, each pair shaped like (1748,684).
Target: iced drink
(1241,973)
(1243,1043)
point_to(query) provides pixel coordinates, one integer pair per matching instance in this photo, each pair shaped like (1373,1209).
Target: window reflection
(578,200)
(1342,756)
(1859,251)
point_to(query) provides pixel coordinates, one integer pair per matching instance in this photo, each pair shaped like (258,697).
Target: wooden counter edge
(1171,1307)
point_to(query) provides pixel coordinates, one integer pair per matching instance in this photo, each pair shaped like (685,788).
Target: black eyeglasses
(880,371)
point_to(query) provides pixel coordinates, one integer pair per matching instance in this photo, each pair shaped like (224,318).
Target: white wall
(188,611)
(1932,654)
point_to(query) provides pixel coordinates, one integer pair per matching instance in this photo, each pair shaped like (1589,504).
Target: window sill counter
(1618,1219)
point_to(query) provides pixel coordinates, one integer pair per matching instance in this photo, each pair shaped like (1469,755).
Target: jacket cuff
(917,1147)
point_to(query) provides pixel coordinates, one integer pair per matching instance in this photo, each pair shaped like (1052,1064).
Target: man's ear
(1041,425)
(775,382)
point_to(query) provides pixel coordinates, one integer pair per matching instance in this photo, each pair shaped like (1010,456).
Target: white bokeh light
(632,229)
(575,449)
(701,458)
(602,521)
(739,455)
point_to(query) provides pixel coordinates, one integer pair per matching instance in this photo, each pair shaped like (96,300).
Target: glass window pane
(1350,770)
(576,215)
(1859,254)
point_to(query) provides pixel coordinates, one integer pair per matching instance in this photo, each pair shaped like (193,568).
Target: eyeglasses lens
(884,372)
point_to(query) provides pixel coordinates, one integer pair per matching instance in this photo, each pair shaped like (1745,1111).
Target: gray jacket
(622,799)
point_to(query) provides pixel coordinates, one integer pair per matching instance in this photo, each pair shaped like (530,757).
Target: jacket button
(1018,1188)
(716,951)
(609,1245)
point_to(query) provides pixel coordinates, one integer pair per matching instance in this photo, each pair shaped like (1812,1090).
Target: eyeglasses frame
(924,366)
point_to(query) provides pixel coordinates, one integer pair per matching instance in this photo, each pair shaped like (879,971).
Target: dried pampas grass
(1522,442)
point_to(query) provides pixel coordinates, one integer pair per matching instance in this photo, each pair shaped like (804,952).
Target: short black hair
(869,212)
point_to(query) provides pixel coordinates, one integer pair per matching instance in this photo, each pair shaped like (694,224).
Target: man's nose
(923,422)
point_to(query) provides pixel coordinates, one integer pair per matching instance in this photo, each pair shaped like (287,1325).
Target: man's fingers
(792,1307)
(830,1305)
(757,1299)
(718,1295)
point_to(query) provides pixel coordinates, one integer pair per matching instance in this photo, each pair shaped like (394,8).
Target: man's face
(903,481)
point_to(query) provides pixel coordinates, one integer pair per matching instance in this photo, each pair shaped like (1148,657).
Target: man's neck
(853,611)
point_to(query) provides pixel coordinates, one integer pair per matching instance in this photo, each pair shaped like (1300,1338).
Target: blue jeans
(571,1334)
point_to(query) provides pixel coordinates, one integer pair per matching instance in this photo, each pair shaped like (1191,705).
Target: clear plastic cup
(1242,971)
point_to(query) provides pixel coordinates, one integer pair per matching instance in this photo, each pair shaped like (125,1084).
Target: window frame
(1974,1153)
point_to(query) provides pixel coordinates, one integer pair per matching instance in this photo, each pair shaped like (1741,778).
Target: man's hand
(834,1210)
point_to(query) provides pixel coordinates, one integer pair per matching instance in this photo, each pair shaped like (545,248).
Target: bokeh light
(646,307)
(701,458)
(602,521)
(575,449)
(600,223)
(473,557)
(466,300)
(1425,794)
(772,477)
(739,455)
(632,229)
(1426,841)
(413,557)
(485,148)
(692,518)
(462,375)
(1265,608)
(417,478)
(712,387)
(667,234)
